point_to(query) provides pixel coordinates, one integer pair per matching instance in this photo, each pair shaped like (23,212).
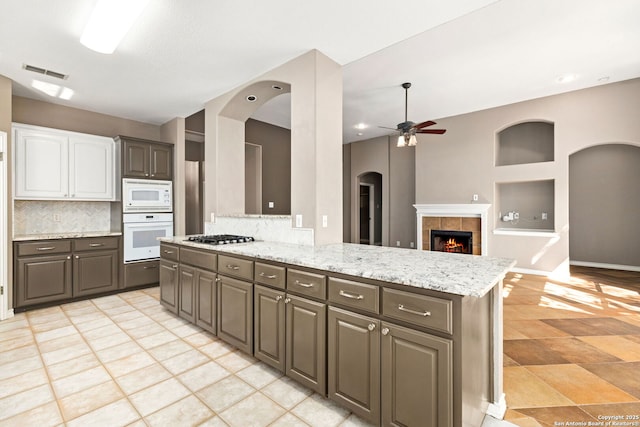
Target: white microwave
(146,195)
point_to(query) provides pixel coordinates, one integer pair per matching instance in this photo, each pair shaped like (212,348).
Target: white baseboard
(498,409)
(604,265)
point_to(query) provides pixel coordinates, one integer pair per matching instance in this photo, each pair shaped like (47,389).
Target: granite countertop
(65,235)
(466,275)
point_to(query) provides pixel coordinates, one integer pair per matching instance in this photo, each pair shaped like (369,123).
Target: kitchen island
(397,336)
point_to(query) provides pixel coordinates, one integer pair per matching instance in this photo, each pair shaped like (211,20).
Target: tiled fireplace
(458,228)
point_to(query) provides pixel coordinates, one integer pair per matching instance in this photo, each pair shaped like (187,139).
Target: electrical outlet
(411,244)
(325,221)
(298,220)
(398,243)
(271,205)
(516,215)
(475,197)
(544,216)
(56,217)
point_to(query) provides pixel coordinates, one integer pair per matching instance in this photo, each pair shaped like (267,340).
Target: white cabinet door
(51,164)
(41,165)
(91,168)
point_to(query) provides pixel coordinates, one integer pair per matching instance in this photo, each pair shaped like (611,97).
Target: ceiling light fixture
(407,140)
(52,90)
(109,23)
(360,126)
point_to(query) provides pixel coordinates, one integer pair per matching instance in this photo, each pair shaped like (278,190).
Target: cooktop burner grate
(220,239)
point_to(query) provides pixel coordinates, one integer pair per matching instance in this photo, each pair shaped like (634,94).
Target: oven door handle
(147,224)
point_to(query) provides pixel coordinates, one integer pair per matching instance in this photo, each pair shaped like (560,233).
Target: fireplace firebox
(460,242)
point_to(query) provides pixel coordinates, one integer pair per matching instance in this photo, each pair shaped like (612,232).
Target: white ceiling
(461,56)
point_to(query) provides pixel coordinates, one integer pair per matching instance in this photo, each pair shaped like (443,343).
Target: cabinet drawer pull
(417,313)
(233,267)
(351,296)
(371,327)
(268,276)
(69,257)
(96,245)
(385,331)
(287,300)
(77,256)
(304,285)
(278,298)
(149,267)
(46,248)
(167,252)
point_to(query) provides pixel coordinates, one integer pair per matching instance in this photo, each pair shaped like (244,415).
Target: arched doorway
(604,204)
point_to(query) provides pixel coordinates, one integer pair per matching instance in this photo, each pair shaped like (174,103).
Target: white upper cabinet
(51,164)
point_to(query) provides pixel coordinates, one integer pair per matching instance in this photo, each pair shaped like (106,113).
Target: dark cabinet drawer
(95,243)
(44,247)
(272,275)
(306,283)
(169,252)
(203,259)
(236,267)
(354,294)
(141,273)
(421,310)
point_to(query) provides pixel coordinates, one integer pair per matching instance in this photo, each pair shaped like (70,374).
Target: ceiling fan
(409,129)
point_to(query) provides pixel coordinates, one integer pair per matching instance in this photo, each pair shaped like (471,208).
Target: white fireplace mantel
(473,210)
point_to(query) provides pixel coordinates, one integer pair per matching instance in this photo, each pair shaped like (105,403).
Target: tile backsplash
(47,216)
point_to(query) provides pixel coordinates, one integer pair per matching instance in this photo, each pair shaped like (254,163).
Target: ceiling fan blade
(434,131)
(424,124)
(384,127)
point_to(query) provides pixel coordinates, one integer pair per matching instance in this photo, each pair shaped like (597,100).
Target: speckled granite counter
(69,235)
(465,275)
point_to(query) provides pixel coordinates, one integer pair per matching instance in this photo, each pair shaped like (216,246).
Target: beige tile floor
(123,360)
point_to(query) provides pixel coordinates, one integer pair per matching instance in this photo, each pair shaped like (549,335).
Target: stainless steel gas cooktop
(220,239)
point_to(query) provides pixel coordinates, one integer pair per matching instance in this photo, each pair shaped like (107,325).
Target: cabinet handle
(167,252)
(371,327)
(287,300)
(77,256)
(304,285)
(218,279)
(148,267)
(46,248)
(233,267)
(385,331)
(96,245)
(417,313)
(146,174)
(348,295)
(69,257)
(278,298)
(268,276)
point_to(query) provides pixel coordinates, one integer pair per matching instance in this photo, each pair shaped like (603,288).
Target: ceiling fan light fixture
(412,141)
(109,23)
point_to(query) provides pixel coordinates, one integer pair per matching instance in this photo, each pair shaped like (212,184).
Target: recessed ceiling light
(566,78)
(252,98)
(360,126)
(360,134)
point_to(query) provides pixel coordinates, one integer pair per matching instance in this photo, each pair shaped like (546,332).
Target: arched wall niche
(531,141)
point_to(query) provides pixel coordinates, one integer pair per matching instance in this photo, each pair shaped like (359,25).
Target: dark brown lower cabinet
(206,300)
(169,285)
(353,353)
(43,279)
(141,273)
(235,313)
(187,292)
(417,378)
(306,336)
(95,272)
(269,326)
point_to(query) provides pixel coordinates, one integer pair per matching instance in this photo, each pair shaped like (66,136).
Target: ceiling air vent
(45,71)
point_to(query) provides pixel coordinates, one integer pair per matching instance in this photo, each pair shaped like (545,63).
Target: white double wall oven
(147,214)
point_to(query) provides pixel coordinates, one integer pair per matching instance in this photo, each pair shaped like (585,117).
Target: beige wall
(39,113)
(346,193)
(584,118)
(173,132)
(397,167)
(316,153)
(276,164)
(604,204)
(5,126)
